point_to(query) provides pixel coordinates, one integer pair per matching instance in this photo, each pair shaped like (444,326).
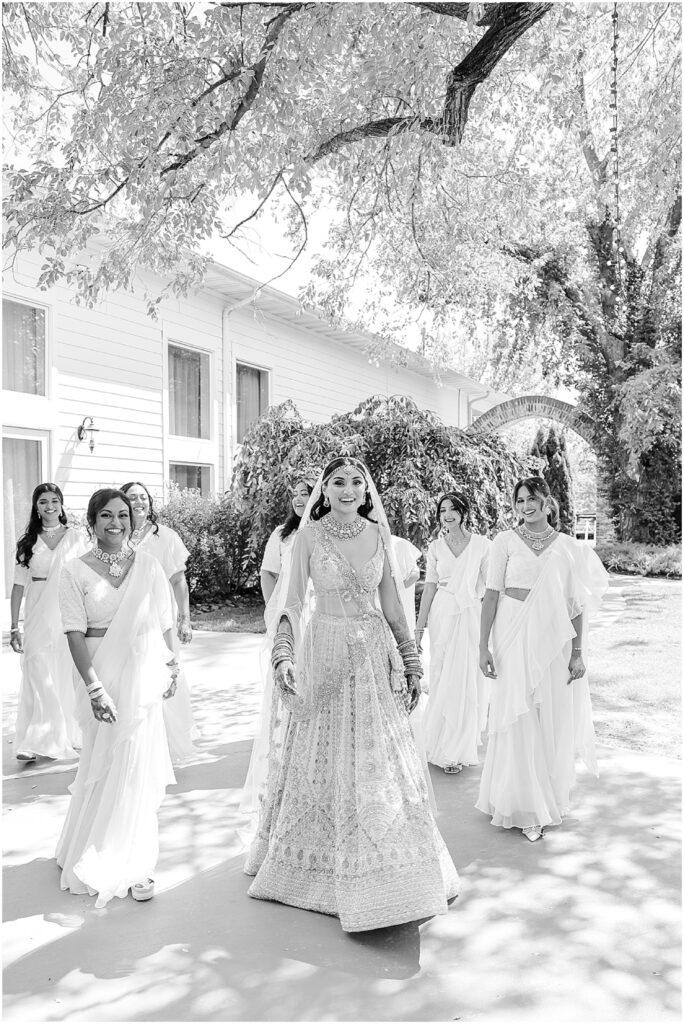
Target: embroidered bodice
(340,588)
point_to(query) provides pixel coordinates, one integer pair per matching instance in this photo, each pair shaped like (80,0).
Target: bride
(345,825)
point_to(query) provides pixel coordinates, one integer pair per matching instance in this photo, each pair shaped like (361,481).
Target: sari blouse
(88,600)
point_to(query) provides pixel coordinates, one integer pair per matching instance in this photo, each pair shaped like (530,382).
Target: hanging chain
(614,150)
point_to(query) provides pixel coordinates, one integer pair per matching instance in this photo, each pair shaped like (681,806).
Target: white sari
(538,723)
(456,713)
(46,715)
(110,837)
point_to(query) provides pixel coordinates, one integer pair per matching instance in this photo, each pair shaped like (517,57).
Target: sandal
(23,755)
(452,769)
(143,891)
(533,833)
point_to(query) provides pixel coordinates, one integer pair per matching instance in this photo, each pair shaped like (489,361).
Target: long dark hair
(538,488)
(461,505)
(97,502)
(151,515)
(34,526)
(320,509)
(293,520)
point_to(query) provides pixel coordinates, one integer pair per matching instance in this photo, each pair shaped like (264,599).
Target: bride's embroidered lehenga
(345,824)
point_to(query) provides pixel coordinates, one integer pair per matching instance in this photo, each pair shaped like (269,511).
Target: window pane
(196,477)
(22,471)
(23,348)
(251,398)
(188,392)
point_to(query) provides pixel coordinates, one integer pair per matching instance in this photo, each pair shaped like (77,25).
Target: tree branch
(462,11)
(512,22)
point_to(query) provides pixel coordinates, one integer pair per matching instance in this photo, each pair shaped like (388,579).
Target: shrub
(642,559)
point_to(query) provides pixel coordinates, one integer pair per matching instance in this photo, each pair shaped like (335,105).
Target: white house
(92,397)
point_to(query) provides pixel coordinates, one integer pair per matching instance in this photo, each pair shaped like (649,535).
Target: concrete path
(583,926)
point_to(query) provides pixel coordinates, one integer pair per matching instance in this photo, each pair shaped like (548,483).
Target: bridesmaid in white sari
(117,617)
(279,545)
(541,587)
(46,717)
(456,713)
(167,547)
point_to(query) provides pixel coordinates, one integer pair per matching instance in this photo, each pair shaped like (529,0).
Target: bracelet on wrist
(14,629)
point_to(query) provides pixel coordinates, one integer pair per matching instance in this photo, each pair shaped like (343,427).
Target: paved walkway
(583,926)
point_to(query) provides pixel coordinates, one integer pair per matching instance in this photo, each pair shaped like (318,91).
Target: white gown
(172,554)
(538,723)
(46,715)
(110,836)
(456,713)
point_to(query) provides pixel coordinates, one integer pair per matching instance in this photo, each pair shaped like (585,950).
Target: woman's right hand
(285,678)
(16,642)
(104,709)
(487,663)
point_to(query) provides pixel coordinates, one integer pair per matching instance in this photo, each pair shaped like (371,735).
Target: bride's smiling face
(345,490)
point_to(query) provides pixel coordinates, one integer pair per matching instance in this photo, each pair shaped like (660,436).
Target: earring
(326,502)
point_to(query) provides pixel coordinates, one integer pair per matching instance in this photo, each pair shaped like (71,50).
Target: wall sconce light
(88,427)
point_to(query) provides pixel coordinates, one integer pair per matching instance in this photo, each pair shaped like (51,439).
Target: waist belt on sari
(39,579)
(95,631)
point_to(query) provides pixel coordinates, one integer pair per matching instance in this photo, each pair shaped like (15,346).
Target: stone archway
(531,407)
(542,407)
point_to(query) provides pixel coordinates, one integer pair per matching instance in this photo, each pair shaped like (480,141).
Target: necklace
(536,540)
(343,531)
(138,533)
(112,560)
(50,531)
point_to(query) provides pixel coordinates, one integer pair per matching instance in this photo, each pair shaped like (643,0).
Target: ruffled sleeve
(271,561)
(497,559)
(171,551)
(431,574)
(588,581)
(72,601)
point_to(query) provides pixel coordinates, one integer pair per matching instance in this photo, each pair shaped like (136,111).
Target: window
(23,468)
(196,477)
(188,392)
(252,397)
(23,348)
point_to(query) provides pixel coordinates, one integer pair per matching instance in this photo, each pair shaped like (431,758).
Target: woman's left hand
(576,667)
(413,695)
(184,630)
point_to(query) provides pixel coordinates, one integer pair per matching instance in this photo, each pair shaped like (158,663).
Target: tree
(150,121)
(551,449)
(413,458)
(464,147)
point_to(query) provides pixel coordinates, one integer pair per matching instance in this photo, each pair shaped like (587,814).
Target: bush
(642,559)
(214,533)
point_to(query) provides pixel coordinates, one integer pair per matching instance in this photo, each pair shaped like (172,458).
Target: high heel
(143,891)
(533,833)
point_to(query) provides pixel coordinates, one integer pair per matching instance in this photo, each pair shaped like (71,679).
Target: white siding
(323,378)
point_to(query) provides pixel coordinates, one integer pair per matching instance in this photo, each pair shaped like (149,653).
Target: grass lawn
(635,667)
(634,653)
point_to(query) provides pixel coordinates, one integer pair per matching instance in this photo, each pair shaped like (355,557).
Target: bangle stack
(95,690)
(409,655)
(283,648)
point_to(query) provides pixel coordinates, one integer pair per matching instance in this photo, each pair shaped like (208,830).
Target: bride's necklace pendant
(343,531)
(536,540)
(113,561)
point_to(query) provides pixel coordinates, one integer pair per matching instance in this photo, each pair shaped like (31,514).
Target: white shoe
(533,833)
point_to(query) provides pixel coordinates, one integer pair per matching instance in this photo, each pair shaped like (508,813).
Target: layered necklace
(536,540)
(343,531)
(113,561)
(50,531)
